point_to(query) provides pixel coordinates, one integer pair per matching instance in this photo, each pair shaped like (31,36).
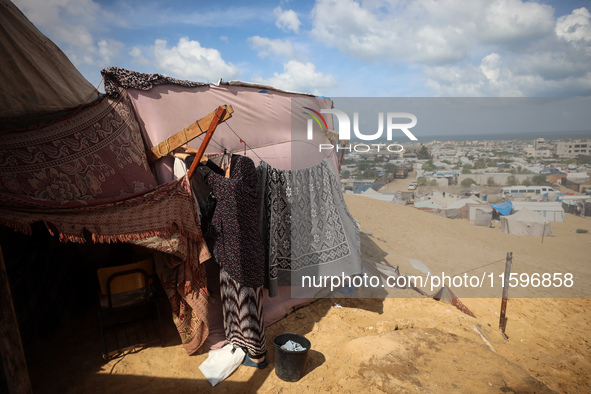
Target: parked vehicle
(519,191)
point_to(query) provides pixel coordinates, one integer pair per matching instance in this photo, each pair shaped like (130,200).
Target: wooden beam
(187,134)
(11,348)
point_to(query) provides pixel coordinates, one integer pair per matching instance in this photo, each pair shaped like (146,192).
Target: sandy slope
(394,344)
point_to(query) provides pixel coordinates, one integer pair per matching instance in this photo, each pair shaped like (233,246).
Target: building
(539,149)
(573,148)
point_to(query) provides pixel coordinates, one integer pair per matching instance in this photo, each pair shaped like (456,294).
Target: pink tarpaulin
(263,118)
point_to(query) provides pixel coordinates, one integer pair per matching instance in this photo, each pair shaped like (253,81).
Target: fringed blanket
(163,219)
(306,225)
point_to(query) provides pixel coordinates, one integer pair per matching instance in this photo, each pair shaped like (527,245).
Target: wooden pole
(11,348)
(187,134)
(219,114)
(503,319)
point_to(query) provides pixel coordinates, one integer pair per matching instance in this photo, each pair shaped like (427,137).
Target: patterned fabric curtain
(88,174)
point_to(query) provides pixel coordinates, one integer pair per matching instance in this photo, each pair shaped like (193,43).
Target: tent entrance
(54,289)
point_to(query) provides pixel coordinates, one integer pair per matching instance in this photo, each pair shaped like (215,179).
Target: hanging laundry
(306,226)
(238,249)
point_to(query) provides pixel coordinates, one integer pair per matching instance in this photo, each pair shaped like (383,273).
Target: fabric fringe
(17,226)
(103,238)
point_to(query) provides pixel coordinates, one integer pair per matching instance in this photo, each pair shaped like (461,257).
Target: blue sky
(345,48)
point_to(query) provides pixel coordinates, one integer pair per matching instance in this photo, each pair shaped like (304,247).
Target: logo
(345,129)
(318,115)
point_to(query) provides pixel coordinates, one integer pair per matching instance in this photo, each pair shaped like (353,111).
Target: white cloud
(267,47)
(137,54)
(287,20)
(299,77)
(189,60)
(495,78)
(575,27)
(466,48)
(382,31)
(513,20)
(426,31)
(490,67)
(108,50)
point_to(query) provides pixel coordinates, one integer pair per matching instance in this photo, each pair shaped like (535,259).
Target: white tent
(459,203)
(526,222)
(473,208)
(552,211)
(483,217)
(427,204)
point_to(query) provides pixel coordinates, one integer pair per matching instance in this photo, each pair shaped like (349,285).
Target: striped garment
(243,314)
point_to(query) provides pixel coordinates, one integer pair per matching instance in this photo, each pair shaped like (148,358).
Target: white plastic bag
(221,363)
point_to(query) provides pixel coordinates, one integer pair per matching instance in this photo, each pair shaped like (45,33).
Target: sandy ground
(402,344)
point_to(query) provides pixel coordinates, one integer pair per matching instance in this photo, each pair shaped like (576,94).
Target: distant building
(572,149)
(539,149)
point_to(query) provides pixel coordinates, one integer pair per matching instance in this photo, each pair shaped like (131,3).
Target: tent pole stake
(503,319)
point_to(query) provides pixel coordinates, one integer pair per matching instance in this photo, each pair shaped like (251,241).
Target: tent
(75,161)
(472,208)
(459,203)
(553,211)
(38,83)
(483,217)
(526,222)
(427,204)
(450,213)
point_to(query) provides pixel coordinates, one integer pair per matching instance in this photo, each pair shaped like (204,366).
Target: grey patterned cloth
(306,226)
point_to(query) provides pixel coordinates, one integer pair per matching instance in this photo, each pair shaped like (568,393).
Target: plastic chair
(127,303)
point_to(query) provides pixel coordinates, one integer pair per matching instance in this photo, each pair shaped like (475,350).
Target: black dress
(238,249)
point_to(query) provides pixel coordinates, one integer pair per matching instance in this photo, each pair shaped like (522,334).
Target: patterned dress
(238,249)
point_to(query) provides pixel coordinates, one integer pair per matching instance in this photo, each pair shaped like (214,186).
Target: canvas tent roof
(459,203)
(37,77)
(427,204)
(526,222)
(552,211)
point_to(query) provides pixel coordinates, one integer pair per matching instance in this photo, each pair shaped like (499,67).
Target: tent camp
(526,222)
(80,164)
